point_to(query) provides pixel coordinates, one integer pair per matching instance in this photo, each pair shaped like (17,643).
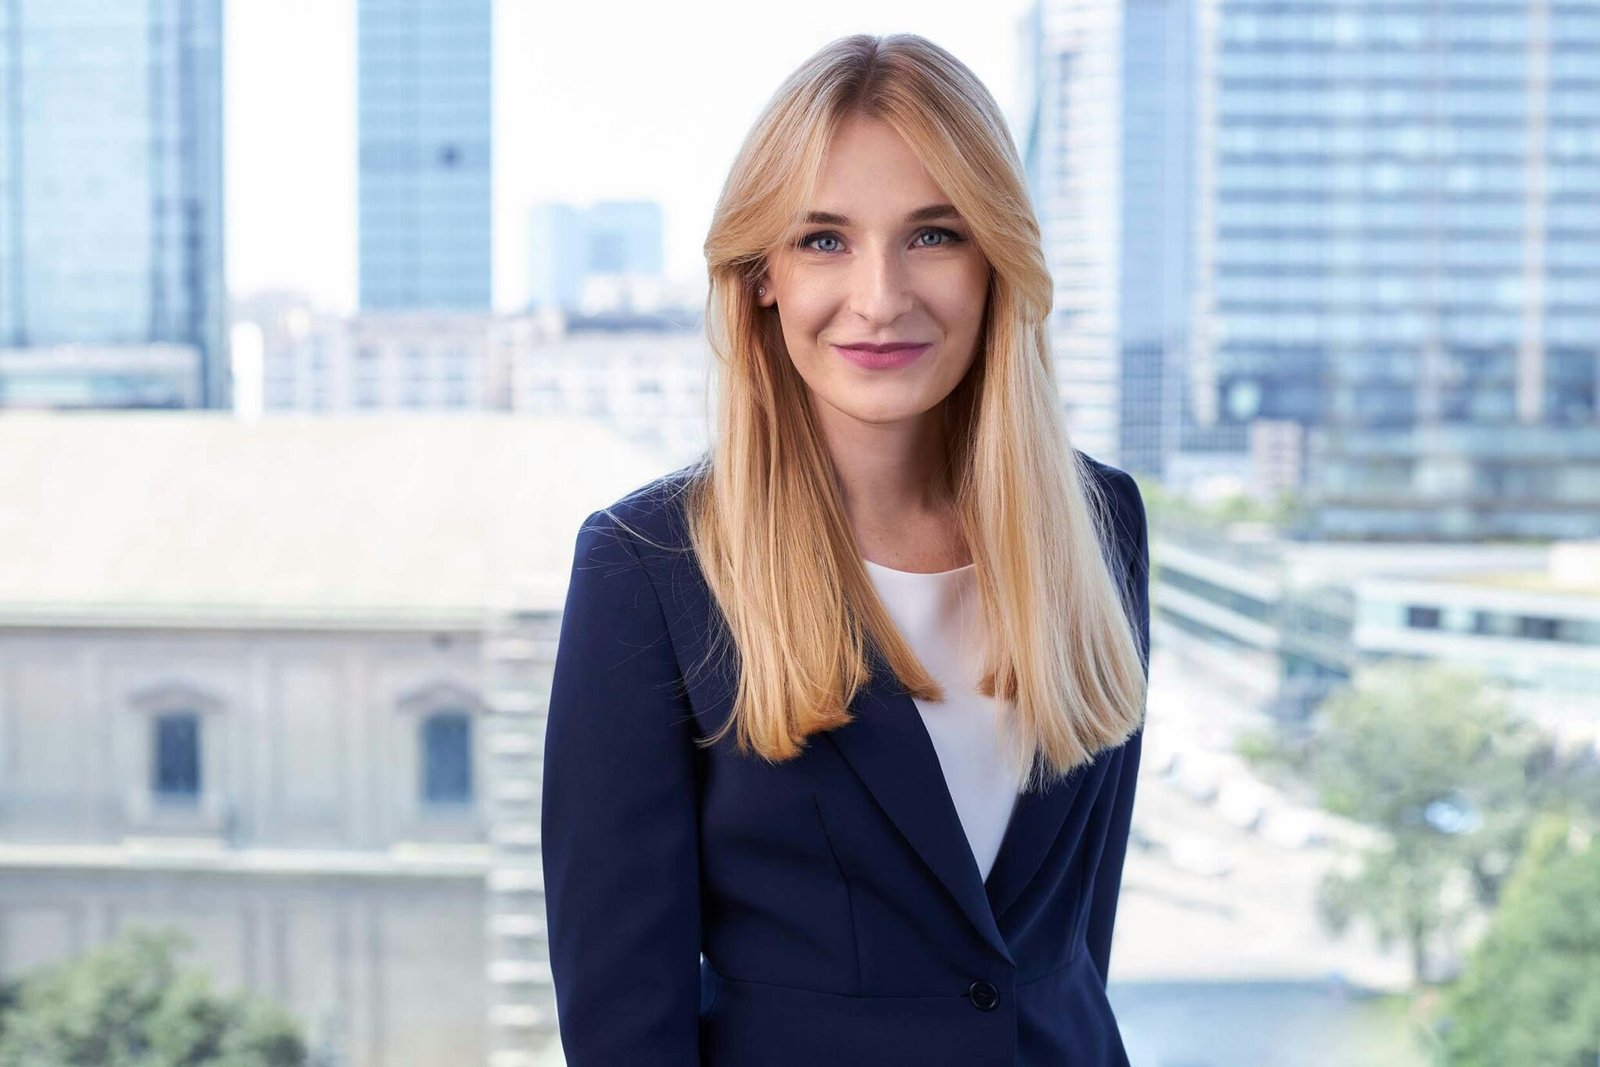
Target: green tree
(1530,992)
(127,1004)
(1430,757)
(1161,504)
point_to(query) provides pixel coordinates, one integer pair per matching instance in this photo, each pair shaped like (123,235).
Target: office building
(111,205)
(424,117)
(1107,144)
(1398,251)
(604,257)
(1275,625)
(648,377)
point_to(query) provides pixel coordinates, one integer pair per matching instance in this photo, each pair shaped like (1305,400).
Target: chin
(890,409)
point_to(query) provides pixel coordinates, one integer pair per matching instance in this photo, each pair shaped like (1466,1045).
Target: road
(1256,921)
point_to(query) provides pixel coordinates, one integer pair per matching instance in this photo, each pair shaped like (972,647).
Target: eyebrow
(922,214)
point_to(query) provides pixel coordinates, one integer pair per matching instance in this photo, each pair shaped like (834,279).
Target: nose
(881,287)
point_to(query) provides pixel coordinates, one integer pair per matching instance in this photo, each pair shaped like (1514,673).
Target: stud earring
(761,290)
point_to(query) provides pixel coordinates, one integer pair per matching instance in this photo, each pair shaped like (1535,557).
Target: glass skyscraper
(111,244)
(425,73)
(567,245)
(1107,147)
(1401,251)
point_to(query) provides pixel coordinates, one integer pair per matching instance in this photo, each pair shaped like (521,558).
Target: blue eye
(948,237)
(806,241)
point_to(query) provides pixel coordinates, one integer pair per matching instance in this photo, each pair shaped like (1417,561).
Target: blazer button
(984,996)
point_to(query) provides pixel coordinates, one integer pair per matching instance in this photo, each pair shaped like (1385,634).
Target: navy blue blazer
(709,908)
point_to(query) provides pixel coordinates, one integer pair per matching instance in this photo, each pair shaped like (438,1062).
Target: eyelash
(951,237)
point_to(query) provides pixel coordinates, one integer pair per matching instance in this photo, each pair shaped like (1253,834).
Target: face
(880,258)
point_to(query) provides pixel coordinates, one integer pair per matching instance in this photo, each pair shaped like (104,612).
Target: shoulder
(1119,495)
(1106,474)
(649,518)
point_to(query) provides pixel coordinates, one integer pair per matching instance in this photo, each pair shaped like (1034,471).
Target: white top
(939,616)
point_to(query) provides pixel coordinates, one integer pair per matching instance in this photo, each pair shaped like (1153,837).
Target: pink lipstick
(882,357)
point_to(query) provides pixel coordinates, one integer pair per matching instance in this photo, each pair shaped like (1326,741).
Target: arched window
(447,758)
(175,770)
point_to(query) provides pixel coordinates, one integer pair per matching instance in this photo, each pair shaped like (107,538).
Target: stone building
(278,683)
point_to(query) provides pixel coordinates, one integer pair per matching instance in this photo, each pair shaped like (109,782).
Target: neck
(895,487)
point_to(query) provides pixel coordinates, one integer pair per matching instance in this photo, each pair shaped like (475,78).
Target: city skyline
(291,144)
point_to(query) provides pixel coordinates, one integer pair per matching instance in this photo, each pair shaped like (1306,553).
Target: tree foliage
(1430,757)
(128,1004)
(1530,992)
(1162,504)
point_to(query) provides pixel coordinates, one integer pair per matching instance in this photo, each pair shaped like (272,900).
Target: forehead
(872,174)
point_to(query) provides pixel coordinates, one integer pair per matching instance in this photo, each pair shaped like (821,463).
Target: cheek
(958,297)
(804,317)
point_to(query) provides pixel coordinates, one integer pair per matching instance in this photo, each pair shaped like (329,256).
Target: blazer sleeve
(619,822)
(1133,537)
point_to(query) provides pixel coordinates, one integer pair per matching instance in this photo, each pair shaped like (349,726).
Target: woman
(845,718)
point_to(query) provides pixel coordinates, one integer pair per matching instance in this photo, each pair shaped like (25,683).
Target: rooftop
(385,519)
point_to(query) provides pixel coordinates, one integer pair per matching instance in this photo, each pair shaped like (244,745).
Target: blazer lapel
(1035,826)
(888,747)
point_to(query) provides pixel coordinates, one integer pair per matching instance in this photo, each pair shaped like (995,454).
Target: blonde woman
(845,718)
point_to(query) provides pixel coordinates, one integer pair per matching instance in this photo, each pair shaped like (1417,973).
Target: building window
(176,767)
(1419,618)
(1538,628)
(447,758)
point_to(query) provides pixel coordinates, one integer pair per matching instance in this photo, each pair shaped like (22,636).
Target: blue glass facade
(1157,210)
(567,244)
(1107,144)
(425,89)
(1405,256)
(111,200)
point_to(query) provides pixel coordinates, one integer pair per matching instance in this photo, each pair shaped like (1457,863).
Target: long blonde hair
(765,513)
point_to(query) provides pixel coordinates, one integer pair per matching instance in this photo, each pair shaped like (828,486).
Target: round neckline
(917,574)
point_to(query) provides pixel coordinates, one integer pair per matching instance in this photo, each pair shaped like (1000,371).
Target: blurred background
(324,323)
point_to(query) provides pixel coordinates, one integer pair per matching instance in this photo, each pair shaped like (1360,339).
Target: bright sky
(635,98)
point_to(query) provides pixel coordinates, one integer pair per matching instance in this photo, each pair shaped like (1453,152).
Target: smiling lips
(883,356)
